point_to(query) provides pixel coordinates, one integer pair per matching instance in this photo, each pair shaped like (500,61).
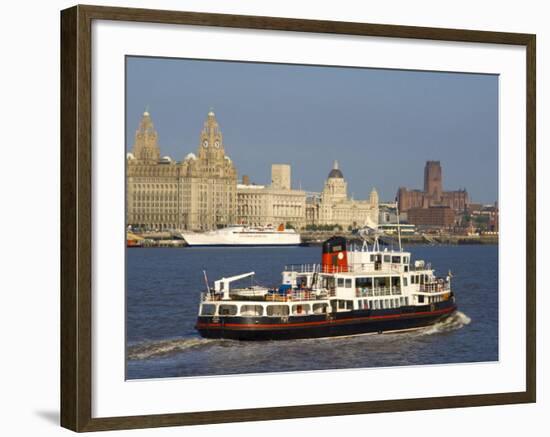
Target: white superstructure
(354,290)
(369,279)
(244,236)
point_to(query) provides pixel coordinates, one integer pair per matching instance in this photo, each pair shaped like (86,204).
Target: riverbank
(313,238)
(317,237)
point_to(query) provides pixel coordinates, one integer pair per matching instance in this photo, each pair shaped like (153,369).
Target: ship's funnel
(335,257)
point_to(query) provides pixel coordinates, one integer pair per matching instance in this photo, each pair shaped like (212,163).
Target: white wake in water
(451,323)
(160,348)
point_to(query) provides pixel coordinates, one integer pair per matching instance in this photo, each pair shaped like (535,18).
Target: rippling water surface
(163,287)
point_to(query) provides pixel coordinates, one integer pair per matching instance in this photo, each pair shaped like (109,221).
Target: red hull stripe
(321,322)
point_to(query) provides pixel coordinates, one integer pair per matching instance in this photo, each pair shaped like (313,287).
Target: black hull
(318,326)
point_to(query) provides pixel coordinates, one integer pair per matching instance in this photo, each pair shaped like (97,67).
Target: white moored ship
(244,236)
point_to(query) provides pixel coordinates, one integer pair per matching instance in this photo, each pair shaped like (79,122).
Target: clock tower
(211,140)
(146,148)
(209,182)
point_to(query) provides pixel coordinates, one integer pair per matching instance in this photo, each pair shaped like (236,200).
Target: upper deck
(346,279)
(377,263)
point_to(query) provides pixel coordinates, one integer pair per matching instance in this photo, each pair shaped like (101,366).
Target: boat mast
(206,281)
(398,225)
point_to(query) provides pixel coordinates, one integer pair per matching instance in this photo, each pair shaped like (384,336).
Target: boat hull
(240,237)
(318,326)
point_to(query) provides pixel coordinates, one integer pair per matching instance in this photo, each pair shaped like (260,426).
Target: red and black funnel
(335,256)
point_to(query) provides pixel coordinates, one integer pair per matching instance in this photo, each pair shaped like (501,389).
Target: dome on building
(190,156)
(227,158)
(130,156)
(336,172)
(167,159)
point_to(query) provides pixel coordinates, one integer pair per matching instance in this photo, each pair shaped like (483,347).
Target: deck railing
(377,291)
(303,268)
(355,268)
(350,268)
(413,268)
(435,287)
(294,295)
(298,296)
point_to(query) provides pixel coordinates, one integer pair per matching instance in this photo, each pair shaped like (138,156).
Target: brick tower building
(433,194)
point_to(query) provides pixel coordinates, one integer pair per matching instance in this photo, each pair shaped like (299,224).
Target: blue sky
(381,125)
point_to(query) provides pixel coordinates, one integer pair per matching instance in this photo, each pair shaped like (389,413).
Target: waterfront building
(208,182)
(280,176)
(152,187)
(485,217)
(334,207)
(389,223)
(434,216)
(274,204)
(201,191)
(394,228)
(198,193)
(387,214)
(433,194)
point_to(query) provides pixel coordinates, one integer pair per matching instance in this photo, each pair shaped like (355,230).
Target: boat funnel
(335,257)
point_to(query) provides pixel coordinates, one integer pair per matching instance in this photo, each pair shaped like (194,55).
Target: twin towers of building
(201,192)
(146,148)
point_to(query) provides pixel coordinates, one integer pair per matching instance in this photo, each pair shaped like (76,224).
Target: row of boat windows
(394,259)
(303,309)
(382,304)
(371,304)
(381,282)
(432,299)
(258,310)
(419,279)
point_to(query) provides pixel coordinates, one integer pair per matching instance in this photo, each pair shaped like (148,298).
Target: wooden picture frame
(76,217)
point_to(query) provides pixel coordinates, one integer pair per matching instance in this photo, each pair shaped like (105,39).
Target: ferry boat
(244,236)
(356,289)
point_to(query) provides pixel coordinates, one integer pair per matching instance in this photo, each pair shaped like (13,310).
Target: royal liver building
(198,193)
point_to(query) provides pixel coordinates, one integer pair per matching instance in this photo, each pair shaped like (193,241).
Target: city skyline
(267,127)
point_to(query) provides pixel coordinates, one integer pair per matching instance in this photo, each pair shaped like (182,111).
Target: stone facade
(276,204)
(433,194)
(198,193)
(280,176)
(333,207)
(152,186)
(209,182)
(201,191)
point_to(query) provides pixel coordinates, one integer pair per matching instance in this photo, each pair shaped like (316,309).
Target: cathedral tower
(433,184)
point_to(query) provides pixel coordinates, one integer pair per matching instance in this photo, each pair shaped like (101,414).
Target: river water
(163,287)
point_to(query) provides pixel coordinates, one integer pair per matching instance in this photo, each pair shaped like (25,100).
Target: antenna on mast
(398,225)
(206,281)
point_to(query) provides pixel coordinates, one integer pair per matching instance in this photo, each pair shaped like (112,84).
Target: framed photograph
(269,218)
